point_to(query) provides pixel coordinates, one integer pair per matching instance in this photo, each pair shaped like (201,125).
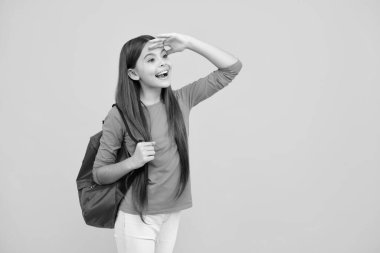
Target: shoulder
(113,118)
(113,112)
(180,95)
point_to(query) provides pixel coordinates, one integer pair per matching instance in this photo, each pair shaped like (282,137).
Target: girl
(149,214)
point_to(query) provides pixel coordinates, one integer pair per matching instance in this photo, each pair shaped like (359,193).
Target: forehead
(146,51)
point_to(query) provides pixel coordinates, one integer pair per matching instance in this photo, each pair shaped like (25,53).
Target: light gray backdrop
(284,159)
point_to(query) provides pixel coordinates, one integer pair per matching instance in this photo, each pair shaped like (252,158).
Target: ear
(133,75)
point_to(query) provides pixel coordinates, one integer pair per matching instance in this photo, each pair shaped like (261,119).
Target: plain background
(284,159)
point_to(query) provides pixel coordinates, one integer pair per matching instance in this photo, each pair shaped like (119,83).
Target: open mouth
(163,75)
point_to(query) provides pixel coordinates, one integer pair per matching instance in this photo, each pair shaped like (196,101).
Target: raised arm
(179,42)
(203,88)
(227,65)
(216,56)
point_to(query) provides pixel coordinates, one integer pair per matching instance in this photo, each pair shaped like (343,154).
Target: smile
(162,75)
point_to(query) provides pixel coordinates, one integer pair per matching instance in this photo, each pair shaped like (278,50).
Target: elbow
(238,66)
(95,176)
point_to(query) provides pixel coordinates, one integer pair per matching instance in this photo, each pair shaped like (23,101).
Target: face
(153,68)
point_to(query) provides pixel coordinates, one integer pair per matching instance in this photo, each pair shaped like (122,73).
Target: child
(159,116)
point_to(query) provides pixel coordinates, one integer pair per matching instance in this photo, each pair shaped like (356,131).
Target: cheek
(149,77)
(149,70)
(148,73)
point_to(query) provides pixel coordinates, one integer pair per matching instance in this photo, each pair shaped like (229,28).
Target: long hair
(128,99)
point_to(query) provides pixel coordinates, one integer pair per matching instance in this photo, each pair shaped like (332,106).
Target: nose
(163,62)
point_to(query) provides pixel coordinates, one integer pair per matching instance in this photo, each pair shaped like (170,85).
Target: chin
(160,83)
(165,84)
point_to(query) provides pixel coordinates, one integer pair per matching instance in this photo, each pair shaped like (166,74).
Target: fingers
(155,40)
(148,148)
(147,144)
(154,46)
(165,35)
(150,153)
(150,143)
(158,42)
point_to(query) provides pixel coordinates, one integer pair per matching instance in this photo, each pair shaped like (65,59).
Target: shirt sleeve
(203,88)
(111,139)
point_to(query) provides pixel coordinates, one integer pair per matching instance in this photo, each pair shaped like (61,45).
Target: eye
(165,56)
(150,59)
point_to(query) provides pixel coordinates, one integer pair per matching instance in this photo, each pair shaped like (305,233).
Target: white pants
(134,236)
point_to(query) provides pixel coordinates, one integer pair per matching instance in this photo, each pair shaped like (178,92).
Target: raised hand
(177,42)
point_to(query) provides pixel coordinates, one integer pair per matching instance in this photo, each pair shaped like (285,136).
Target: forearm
(216,56)
(112,172)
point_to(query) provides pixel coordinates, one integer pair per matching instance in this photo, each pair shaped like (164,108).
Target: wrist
(191,43)
(130,164)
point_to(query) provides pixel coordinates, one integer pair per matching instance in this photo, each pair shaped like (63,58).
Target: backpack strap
(126,125)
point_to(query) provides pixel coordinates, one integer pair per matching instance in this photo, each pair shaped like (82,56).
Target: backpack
(100,203)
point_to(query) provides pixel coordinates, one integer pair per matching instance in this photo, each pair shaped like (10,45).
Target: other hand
(144,153)
(177,42)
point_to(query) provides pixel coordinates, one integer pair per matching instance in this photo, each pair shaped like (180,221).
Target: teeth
(165,71)
(162,77)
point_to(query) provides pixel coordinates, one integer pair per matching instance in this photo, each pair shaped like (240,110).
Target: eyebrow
(153,54)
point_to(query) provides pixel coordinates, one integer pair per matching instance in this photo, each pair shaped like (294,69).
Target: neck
(150,96)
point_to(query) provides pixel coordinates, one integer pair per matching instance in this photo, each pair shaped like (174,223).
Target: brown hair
(128,99)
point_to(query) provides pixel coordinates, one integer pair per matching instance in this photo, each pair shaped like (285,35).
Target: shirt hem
(169,210)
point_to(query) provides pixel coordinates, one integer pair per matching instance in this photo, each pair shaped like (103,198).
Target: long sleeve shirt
(164,169)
